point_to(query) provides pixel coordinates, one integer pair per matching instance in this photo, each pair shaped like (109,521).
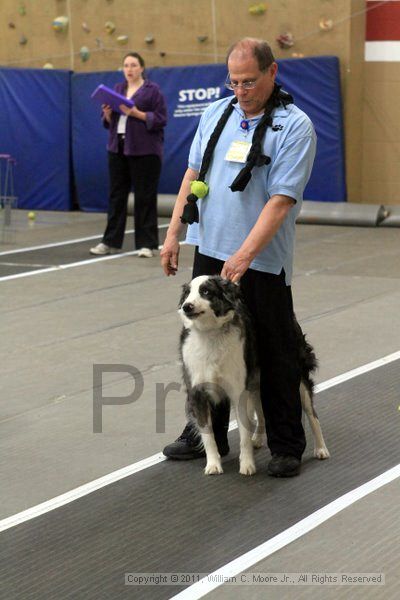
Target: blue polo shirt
(227,217)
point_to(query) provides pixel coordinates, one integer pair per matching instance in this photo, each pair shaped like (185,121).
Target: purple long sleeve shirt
(141,137)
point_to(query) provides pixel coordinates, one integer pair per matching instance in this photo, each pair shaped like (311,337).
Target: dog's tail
(308,360)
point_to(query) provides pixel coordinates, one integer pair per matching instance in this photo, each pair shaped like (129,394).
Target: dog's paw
(258,440)
(321,453)
(247,468)
(213,469)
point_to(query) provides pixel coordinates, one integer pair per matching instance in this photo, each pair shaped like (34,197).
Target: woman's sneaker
(102,249)
(145,253)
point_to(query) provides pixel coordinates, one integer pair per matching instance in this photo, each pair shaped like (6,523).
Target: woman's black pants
(143,174)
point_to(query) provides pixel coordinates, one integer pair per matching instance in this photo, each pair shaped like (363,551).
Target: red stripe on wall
(383,21)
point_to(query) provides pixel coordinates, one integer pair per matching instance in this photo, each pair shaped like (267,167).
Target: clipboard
(105,95)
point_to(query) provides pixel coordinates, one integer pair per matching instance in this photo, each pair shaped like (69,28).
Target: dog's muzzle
(190,310)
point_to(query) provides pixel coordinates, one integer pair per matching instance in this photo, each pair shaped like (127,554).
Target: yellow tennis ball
(31,215)
(199,188)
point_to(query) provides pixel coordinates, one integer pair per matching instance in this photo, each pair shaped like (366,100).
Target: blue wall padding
(89,139)
(48,117)
(185,91)
(35,130)
(314,83)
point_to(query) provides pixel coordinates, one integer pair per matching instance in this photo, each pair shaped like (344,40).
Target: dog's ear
(232,293)
(185,294)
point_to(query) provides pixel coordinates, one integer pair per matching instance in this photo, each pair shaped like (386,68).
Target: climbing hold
(285,40)
(84,53)
(326,24)
(109,27)
(60,23)
(122,40)
(258,9)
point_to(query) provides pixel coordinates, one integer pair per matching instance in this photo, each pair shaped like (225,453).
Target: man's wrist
(248,253)
(172,237)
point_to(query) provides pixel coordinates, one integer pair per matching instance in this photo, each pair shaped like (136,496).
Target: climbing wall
(93,35)
(89,35)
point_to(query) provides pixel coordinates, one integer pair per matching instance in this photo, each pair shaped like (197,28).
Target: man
(255,157)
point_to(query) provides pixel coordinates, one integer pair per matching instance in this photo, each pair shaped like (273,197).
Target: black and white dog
(219,359)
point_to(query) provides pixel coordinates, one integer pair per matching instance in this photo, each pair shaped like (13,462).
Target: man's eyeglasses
(246,85)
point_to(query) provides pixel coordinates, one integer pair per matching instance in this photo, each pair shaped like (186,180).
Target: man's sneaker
(145,253)
(102,249)
(189,445)
(283,466)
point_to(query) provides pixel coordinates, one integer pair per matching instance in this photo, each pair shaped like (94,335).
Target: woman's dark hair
(261,51)
(135,55)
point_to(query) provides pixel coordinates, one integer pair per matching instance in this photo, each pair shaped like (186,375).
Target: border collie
(218,353)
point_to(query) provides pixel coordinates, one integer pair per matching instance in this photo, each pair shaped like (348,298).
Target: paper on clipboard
(105,95)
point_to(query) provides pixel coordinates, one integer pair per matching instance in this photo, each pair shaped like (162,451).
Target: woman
(134,147)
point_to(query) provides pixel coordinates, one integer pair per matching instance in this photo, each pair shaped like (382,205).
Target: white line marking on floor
(80,263)
(24,265)
(92,486)
(66,242)
(247,560)
(55,244)
(380,362)
(83,490)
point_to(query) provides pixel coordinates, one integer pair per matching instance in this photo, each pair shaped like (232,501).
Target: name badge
(238,151)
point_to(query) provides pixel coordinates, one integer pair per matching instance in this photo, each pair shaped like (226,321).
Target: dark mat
(34,260)
(12,267)
(172,518)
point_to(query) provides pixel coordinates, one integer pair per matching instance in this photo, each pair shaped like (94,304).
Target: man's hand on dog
(170,256)
(235,267)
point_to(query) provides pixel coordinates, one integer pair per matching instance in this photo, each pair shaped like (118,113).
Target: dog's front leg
(200,406)
(213,466)
(245,426)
